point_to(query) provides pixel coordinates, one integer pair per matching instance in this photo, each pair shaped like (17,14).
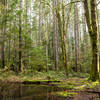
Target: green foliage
(38,59)
(79,74)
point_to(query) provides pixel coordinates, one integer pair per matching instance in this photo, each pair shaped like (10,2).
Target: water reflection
(27,92)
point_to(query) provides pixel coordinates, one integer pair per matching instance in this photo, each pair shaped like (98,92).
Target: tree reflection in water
(10,91)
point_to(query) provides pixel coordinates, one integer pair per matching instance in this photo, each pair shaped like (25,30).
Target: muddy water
(10,91)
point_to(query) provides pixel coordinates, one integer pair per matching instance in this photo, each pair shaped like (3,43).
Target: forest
(49,49)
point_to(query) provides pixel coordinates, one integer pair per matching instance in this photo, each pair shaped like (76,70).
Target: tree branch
(98,3)
(74,2)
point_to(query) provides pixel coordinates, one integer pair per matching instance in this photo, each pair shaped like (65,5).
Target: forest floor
(74,87)
(35,75)
(80,89)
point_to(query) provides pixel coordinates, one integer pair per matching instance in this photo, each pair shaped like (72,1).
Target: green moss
(65,93)
(66,86)
(93,84)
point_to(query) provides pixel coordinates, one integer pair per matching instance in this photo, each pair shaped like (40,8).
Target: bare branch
(98,3)
(74,2)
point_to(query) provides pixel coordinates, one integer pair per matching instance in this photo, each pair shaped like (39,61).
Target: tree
(20,37)
(76,36)
(4,21)
(55,35)
(62,31)
(40,23)
(91,18)
(85,34)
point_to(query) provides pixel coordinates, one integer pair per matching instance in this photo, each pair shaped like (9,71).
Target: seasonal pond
(45,91)
(16,91)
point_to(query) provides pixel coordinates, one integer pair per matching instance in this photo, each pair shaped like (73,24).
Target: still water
(10,91)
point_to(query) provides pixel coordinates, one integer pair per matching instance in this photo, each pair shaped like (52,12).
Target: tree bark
(93,32)
(55,36)
(85,34)
(20,39)
(40,23)
(76,37)
(4,11)
(62,31)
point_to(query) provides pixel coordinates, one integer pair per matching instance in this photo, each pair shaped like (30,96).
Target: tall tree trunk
(4,2)
(76,36)
(9,42)
(14,46)
(97,11)
(62,31)
(94,41)
(40,23)
(93,32)
(20,39)
(85,34)
(2,49)
(55,36)
(64,37)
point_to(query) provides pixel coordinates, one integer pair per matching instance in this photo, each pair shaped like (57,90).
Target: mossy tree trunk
(94,41)
(62,31)
(55,36)
(91,18)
